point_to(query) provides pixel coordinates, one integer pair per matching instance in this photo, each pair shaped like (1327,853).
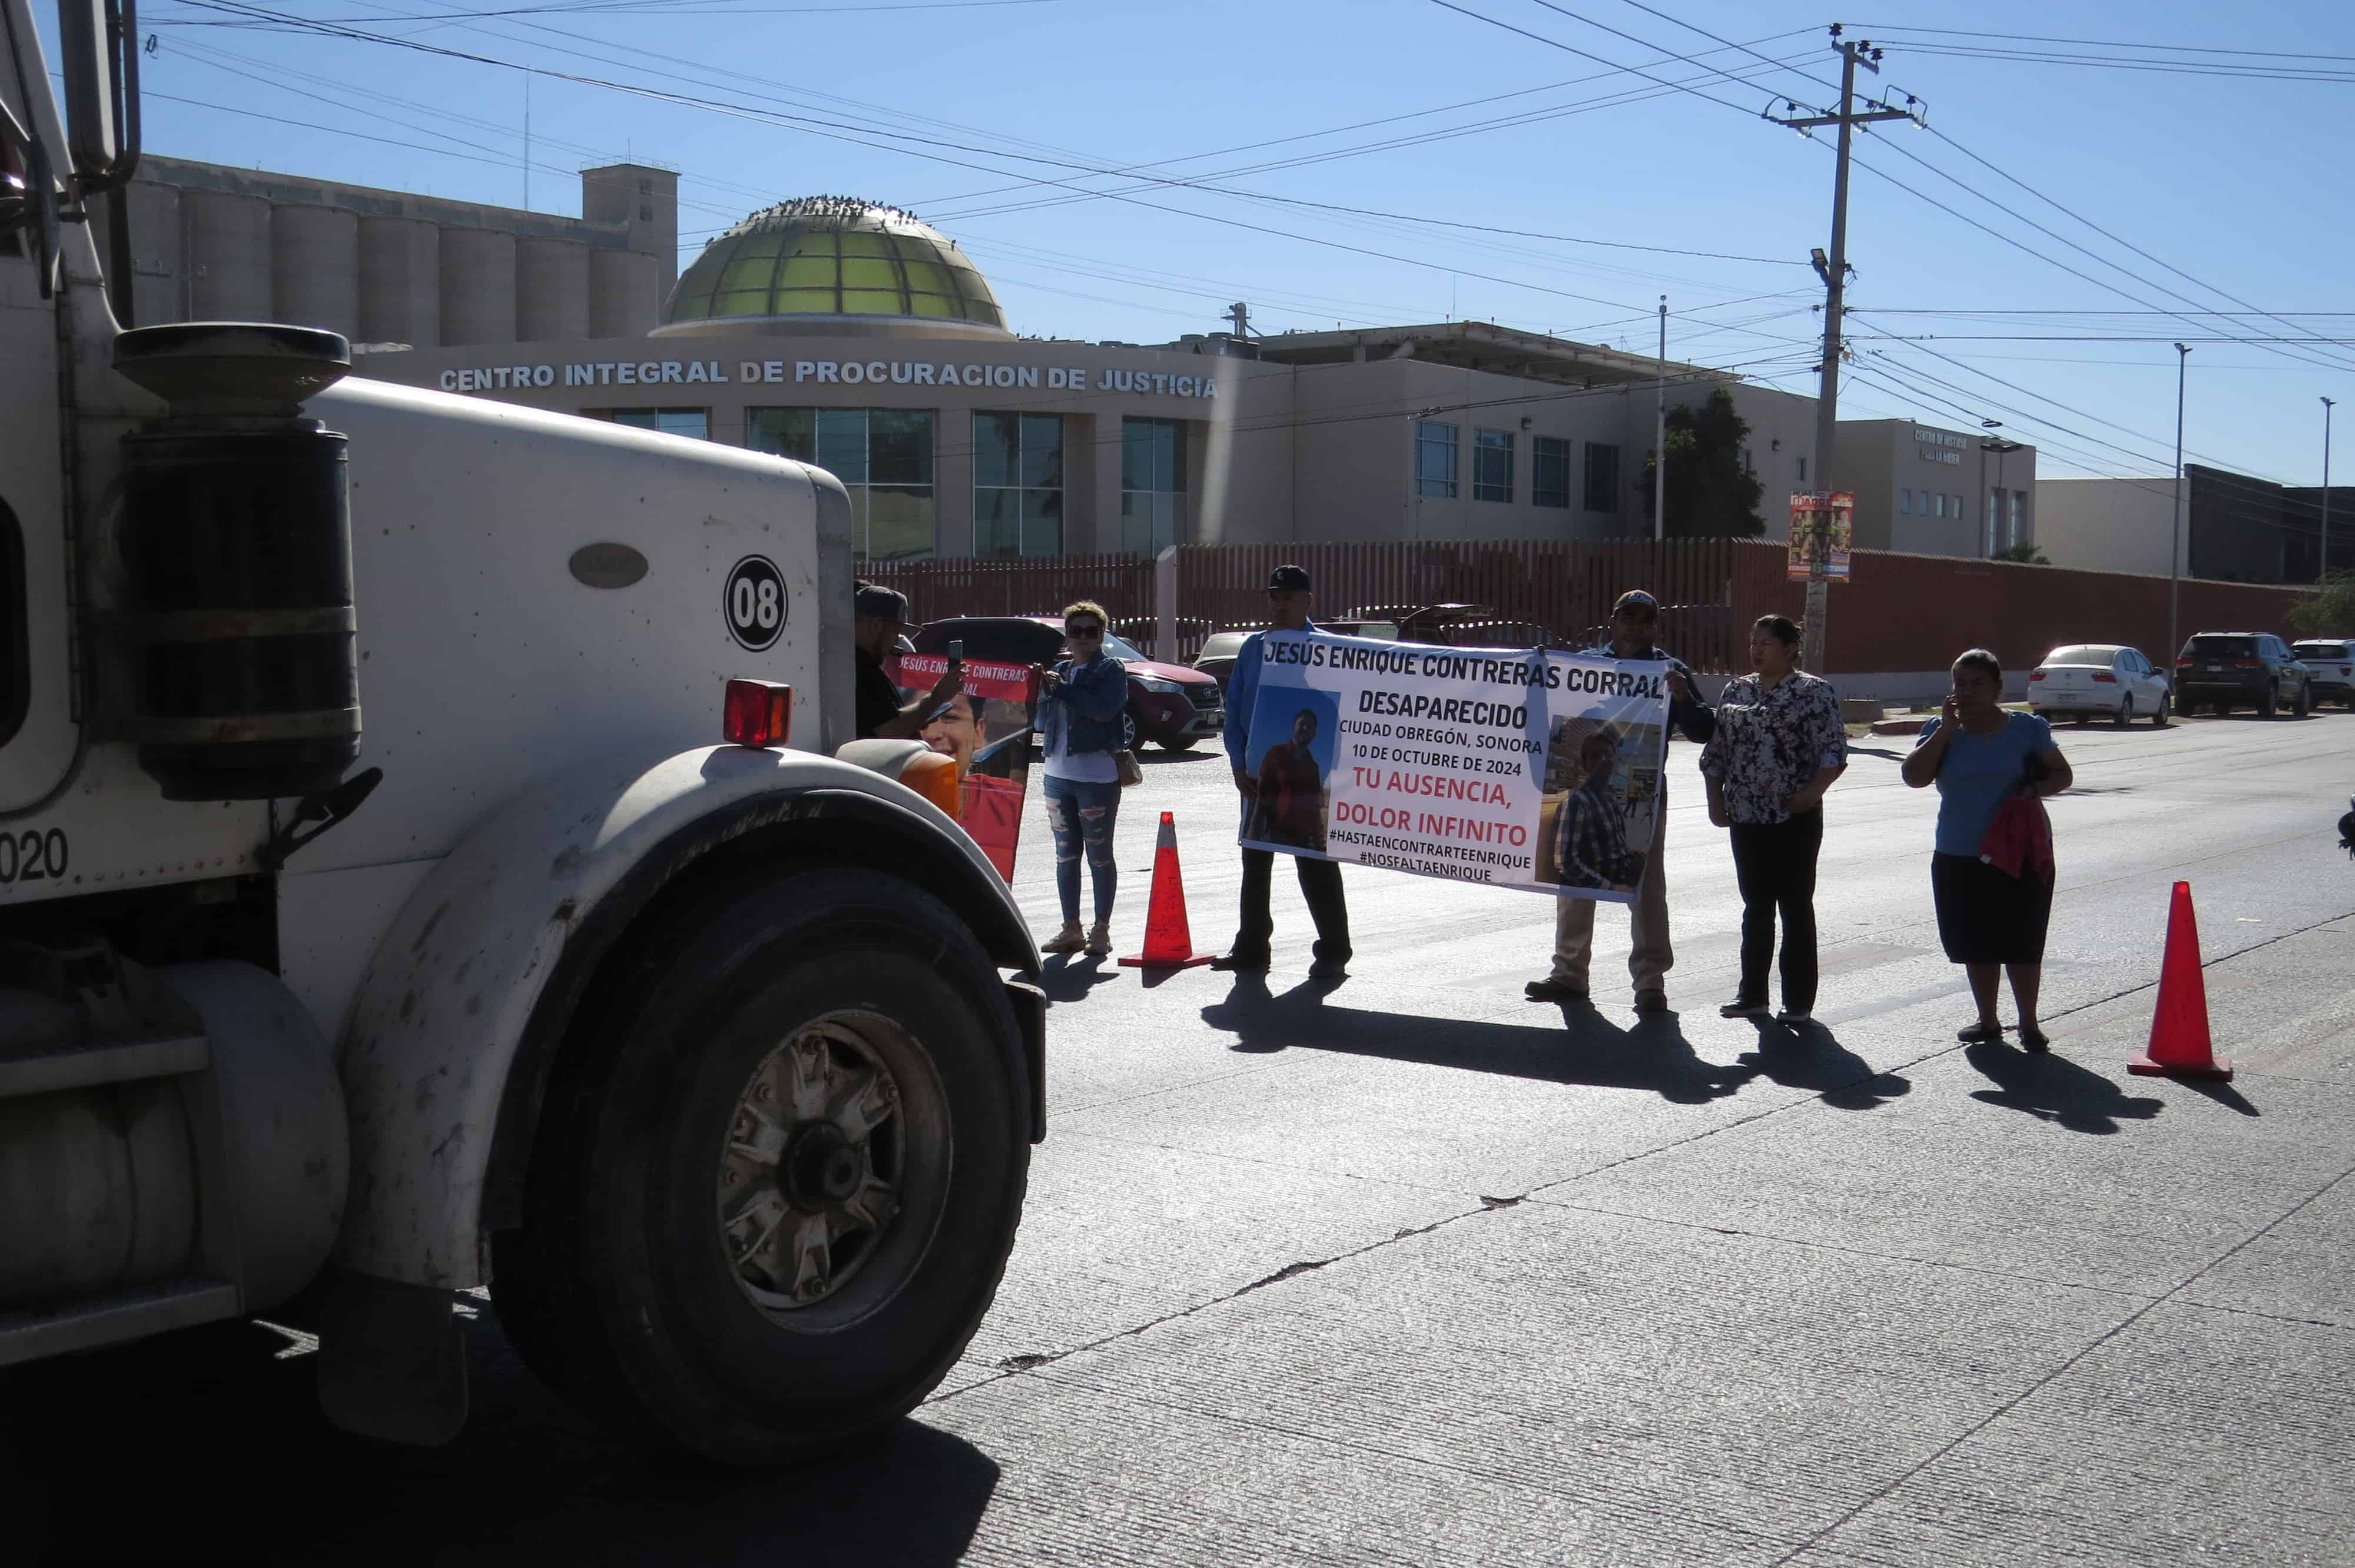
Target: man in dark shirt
(1634,621)
(881,615)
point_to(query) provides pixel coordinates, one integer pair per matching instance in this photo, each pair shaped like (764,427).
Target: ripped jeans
(1083,814)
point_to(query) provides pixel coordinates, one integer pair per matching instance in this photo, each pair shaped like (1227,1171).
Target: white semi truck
(719,1063)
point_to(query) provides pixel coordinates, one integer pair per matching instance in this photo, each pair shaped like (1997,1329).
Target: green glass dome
(834,256)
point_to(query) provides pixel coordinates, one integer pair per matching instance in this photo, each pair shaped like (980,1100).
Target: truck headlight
(914,764)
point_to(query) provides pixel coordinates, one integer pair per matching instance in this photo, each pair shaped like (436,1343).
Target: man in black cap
(1634,621)
(881,615)
(1320,880)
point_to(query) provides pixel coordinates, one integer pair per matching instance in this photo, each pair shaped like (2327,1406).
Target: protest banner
(986,728)
(1822,532)
(1518,768)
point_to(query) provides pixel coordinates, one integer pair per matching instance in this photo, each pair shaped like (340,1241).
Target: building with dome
(849,333)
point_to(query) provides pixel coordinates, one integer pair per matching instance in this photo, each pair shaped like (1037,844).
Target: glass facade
(1152,485)
(1549,471)
(1602,477)
(822,256)
(1492,465)
(884,459)
(1018,484)
(695,422)
(1434,459)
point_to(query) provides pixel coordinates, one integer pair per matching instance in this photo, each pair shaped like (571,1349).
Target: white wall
(2106,524)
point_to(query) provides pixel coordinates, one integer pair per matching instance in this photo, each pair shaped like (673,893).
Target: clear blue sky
(2237,182)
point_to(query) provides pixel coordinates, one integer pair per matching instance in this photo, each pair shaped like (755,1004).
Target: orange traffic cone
(1169,945)
(2179,1031)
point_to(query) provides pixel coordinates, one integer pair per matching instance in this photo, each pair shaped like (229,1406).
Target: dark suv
(2253,668)
(1169,704)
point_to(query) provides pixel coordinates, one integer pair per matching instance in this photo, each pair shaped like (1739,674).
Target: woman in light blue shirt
(1992,924)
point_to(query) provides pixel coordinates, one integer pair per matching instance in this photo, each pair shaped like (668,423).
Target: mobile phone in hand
(957,655)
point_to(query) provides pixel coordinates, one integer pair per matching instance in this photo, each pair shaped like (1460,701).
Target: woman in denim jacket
(1081,702)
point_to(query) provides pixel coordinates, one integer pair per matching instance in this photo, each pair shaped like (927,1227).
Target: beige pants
(1573,926)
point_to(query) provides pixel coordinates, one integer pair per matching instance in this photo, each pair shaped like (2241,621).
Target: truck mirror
(28,199)
(99,41)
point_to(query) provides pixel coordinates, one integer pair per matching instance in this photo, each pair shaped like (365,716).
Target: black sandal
(2032,1040)
(1981,1033)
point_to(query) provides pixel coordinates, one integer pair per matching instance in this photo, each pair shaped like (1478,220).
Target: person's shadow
(1652,1056)
(1811,1057)
(2055,1090)
(1069,976)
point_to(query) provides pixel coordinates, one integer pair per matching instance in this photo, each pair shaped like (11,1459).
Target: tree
(1710,495)
(2329,610)
(2027,554)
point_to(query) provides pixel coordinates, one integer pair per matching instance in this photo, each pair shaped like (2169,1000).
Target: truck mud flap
(1030,1014)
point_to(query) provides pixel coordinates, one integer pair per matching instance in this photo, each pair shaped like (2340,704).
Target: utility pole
(1660,442)
(2322,573)
(2175,531)
(1834,272)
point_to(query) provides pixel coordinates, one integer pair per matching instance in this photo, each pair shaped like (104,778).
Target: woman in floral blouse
(1778,746)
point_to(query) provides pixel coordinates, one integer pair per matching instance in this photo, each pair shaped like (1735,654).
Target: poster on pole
(986,728)
(1514,767)
(1822,531)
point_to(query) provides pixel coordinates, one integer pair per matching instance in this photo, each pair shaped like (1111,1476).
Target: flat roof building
(850,333)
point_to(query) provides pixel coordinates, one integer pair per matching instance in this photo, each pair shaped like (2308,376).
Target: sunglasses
(1084,629)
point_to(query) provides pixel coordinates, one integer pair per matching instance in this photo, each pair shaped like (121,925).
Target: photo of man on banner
(985,728)
(1516,767)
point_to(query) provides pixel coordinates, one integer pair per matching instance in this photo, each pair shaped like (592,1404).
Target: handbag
(1131,772)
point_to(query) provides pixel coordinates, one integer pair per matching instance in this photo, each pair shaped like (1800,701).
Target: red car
(1169,704)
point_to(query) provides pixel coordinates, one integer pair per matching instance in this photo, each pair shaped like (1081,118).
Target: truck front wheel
(773,1197)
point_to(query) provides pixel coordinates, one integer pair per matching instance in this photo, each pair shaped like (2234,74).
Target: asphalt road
(1411,1270)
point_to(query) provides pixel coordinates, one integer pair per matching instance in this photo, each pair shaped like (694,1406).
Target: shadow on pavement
(1201,751)
(207,1440)
(1814,1059)
(1583,1048)
(1069,976)
(2053,1089)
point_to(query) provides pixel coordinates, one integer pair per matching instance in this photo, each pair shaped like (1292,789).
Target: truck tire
(2270,703)
(772,1194)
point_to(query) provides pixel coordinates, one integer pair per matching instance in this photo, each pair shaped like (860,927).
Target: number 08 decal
(754,604)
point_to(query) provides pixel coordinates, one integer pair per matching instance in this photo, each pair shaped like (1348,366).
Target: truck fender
(470,994)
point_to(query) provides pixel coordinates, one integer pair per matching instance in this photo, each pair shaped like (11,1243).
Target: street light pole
(1661,435)
(2323,571)
(2175,529)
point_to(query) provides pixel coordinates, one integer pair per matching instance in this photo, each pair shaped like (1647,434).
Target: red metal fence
(1898,612)
(938,590)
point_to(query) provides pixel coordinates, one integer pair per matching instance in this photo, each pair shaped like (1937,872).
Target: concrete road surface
(1410,1270)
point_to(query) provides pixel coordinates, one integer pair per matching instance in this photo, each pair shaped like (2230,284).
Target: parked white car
(2098,679)
(2332,659)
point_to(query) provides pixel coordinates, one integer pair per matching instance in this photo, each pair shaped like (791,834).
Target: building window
(1937,505)
(1955,508)
(2018,517)
(1152,485)
(884,459)
(695,422)
(1802,471)
(1018,484)
(1549,471)
(1602,477)
(1434,459)
(1492,465)
(1906,502)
